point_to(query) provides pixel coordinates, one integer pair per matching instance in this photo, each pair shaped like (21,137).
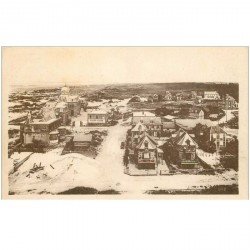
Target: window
(146,155)
(188,156)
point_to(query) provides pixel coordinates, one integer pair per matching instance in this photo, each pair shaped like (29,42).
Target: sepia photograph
(117,122)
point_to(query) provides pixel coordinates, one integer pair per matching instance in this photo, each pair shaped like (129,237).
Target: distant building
(62,111)
(193,95)
(179,97)
(168,96)
(155,98)
(198,99)
(196,113)
(73,101)
(211,95)
(230,102)
(150,99)
(74,105)
(39,130)
(153,124)
(219,136)
(138,115)
(81,141)
(97,117)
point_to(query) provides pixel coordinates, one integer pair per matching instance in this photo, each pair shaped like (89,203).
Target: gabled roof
(182,139)
(151,142)
(139,127)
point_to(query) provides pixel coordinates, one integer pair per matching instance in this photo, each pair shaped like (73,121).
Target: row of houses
(209,97)
(150,145)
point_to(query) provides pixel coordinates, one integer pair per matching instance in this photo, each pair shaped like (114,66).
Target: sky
(48,66)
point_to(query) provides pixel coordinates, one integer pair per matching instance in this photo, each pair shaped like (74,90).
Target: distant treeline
(121,91)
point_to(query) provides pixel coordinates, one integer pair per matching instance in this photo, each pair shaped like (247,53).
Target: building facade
(97,117)
(38,130)
(219,136)
(211,95)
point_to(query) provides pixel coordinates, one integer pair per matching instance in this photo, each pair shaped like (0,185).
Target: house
(230,102)
(62,111)
(97,117)
(137,116)
(73,101)
(193,95)
(168,96)
(81,141)
(152,123)
(169,126)
(211,95)
(154,126)
(219,136)
(185,148)
(38,130)
(74,105)
(137,132)
(148,155)
(155,98)
(179,97)
(198,99)
(196,113)
(150,99)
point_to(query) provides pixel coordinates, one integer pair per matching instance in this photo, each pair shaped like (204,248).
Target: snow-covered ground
(63,172)
(211,159)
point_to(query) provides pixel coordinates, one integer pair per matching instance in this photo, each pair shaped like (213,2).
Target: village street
(106,172)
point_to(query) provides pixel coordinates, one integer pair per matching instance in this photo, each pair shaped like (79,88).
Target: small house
(211,95)
(230,102)
(168,96)
(148,154)
(219,136)
(155,98)
(97,117)
(81,141)
(185,146)
(196,113)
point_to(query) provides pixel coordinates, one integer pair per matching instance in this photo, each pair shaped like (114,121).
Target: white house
(211,95)
(97,117)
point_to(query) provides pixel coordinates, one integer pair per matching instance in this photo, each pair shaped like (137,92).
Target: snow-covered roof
(169,117)
(143,114)
(55,132)
(139,127)
(82,137)
(147,120)
(211,93)
(189,124)
(98,112)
